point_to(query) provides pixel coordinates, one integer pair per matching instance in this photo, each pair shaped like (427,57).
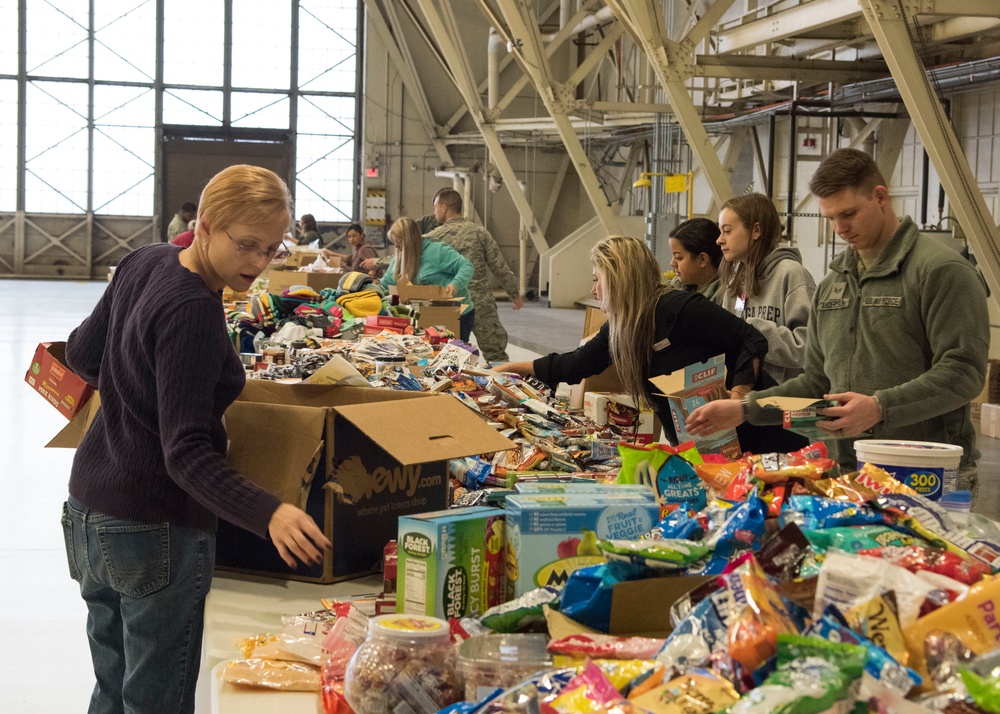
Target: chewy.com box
(450,562)
(690,388)
(550,536)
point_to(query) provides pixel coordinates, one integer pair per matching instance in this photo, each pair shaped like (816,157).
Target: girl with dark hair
(309,231)
(696,256)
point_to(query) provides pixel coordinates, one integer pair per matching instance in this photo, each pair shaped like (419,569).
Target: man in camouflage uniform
(479,247)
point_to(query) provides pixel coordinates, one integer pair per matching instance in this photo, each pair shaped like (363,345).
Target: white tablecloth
(240,606)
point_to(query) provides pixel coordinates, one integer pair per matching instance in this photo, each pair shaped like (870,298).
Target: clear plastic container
(405,659)
(958,501)
(491,661)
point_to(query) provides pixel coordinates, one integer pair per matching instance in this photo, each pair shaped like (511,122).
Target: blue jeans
(465,323)
(145,586)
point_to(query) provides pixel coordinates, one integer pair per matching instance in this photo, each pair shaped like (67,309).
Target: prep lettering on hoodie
(771,313)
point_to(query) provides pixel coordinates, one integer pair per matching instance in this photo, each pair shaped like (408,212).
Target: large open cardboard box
(356,458)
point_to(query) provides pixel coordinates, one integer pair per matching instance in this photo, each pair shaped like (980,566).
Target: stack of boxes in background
(986,407)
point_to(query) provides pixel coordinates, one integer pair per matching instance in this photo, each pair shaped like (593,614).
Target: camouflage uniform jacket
(475,243)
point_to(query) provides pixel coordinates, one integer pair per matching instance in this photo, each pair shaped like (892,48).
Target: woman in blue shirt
(424,262)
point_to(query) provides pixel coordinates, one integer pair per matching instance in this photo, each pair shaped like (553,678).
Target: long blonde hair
(409,248)
(633,284)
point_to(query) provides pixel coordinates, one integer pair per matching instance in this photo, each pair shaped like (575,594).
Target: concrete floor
(46,663)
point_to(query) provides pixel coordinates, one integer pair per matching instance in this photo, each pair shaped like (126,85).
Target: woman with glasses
(150,478)
(425,262)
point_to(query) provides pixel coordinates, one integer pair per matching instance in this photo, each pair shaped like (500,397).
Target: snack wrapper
(816,512)
(598,646)
(973,621)
(928,520)
(522,614)
(663,554)
(699,691)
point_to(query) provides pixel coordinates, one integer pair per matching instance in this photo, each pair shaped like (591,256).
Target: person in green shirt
(898,331)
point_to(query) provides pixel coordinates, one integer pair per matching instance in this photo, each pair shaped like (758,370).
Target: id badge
(741,303)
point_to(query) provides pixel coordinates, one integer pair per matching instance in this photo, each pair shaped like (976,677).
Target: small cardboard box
(51,378)
(451,563)
(800,414)
(432,305)
(595,407)
(688,389)
(621,412)
(301,255)
(377,324)
(551,535)
(357,458)
(990,420)
(279,280)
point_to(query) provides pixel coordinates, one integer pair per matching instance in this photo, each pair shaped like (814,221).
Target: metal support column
(446,34)
(557,97)
(893,33)
(673,64)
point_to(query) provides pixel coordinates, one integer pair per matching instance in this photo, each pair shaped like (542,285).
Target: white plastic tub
(929,468)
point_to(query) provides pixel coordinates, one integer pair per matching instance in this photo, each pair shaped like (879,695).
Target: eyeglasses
(244,248)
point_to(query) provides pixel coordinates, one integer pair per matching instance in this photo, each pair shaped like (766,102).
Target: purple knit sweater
(156,347)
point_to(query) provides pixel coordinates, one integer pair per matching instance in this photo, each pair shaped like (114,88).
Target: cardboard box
(622,413)
(595,407)
(279,280)
(301,255)
(800,414)
(50,377)
(356,457)
(451,563)
(688,389)
(550,536)
(432,305)
(990,420)
(993,381)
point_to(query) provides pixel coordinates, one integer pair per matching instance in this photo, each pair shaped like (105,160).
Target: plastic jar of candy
(406,658)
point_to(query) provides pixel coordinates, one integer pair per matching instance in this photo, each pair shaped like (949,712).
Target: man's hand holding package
(856,414)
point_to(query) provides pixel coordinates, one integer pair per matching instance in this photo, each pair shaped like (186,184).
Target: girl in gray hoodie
(764,284)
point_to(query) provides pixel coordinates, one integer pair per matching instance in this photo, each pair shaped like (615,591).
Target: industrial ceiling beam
(559,99)
(446,34)
(402,60)
(522,82)
(798,20)
(762,67)
(672,66)
(706,22)
(893,33)
(596,56)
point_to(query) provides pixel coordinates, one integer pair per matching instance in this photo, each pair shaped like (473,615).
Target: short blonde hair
(244,194)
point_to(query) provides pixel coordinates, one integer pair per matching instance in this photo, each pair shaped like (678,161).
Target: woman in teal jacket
(424,262)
